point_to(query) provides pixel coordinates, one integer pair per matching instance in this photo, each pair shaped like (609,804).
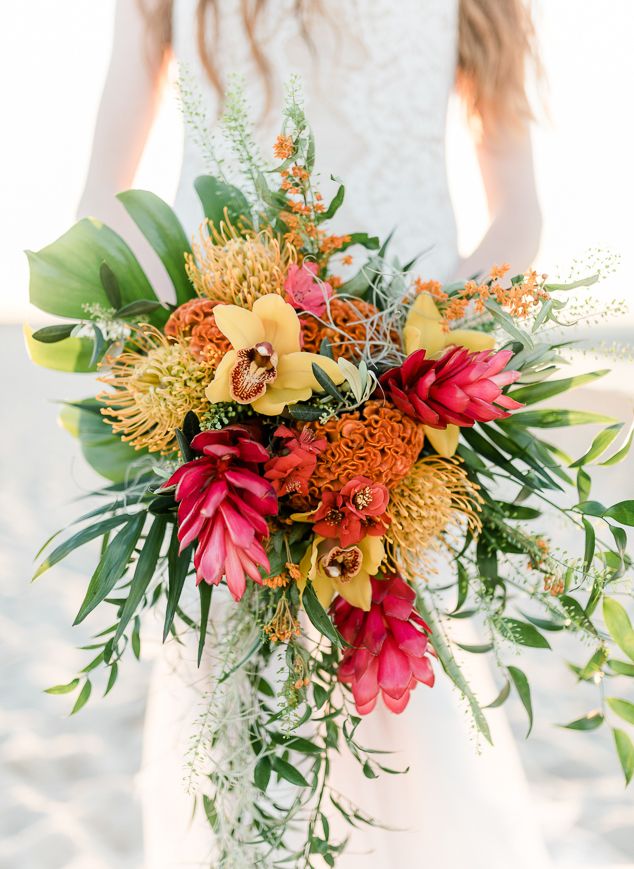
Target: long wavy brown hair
(495,45)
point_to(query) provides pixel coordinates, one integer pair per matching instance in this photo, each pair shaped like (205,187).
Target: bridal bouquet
(313,442)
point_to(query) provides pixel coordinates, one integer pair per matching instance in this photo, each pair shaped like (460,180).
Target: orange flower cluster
(377,441)
(195,322)
(434,288)
(331,243)
(518,300)
(351,317)
(283,147)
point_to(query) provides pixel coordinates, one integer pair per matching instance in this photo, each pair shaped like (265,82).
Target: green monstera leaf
(103,450)
(65,275)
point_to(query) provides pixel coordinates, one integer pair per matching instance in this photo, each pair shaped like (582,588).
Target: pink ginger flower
(356,510)
(291,471)
(223,503)
(460,388)
(304,291)
(389,646)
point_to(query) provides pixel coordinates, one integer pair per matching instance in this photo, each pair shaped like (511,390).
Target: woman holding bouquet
(377,77)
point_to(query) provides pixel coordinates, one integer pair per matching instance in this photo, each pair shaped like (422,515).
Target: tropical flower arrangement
(313,447)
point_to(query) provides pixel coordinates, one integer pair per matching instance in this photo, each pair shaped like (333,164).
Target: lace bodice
(377,86)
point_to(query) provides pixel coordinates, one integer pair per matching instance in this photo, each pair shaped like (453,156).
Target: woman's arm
(128,106)
(506,163)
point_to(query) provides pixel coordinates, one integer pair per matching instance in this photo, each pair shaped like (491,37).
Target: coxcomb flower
(389,647)
(223,503)
(460,388)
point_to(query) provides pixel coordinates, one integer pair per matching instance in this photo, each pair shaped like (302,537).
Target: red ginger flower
(223,502)
(304,291)
(460,388)
(357,509)
(290,473)
(389,646)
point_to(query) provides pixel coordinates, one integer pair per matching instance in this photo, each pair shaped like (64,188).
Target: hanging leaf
(79,539)
(591,721)
(288,772)
(619,625)
(177,568)
(112,678)
(262,774)
(318,615)
(160,225)
(143,573)
(524,691)
(623,512)
(623,708)
(521,632)
(502,696)
(84,695)
(541,391)
(576,613)
(554,418)
(621,668)
(620,455)
(63,689)
(335,203)
(599,445)
(112,565)
(590,542)
(625,751)
(205,592)
(584,484)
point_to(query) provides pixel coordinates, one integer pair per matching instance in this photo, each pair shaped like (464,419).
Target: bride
(377,77)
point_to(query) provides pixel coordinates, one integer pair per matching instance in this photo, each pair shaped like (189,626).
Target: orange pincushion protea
(351,317)
(377,441)
(195,322)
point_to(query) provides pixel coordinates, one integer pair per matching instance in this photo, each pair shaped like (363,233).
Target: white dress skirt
(376,96)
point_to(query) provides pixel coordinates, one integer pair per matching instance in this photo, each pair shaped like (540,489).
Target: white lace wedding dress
(377,96)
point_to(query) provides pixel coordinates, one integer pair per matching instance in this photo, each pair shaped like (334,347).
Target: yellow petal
(431,335)
(411,339)
(357,591)
(243,328)
(445,442)
(373,553)
(424,306)
(219,388)
(302,517)
(469,338)
(324,589)
(295,370)
(280,323)
(275,400)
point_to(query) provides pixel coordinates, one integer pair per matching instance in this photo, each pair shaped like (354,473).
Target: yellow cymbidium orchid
(266,367)
(334,569)
(424,330)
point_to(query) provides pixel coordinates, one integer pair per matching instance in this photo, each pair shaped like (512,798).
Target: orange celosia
(195,322)
(377,441)
(351,317)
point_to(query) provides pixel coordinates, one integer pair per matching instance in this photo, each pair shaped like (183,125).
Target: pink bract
(389,646)
(460,388)
(223,503)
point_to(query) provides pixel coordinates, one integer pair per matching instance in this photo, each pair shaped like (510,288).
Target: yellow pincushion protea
(435,495)
(154,387)
(238,269)
(425,330)
(266,367)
